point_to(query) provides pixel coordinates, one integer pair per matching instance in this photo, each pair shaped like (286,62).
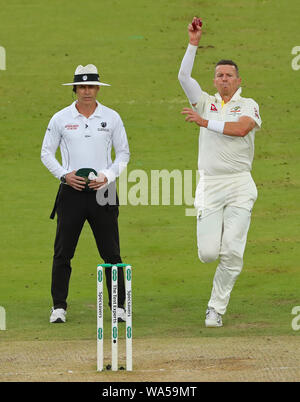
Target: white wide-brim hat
(87,75)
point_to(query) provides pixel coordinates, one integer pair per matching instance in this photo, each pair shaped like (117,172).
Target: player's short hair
(230,63)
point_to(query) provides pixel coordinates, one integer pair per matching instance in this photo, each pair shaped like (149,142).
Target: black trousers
(73,208)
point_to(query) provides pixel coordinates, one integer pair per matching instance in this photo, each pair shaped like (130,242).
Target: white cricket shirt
(221,154)
(86,142)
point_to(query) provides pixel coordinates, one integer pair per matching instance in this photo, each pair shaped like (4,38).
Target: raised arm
(190,86)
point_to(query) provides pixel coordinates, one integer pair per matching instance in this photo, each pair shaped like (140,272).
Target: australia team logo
(235,110)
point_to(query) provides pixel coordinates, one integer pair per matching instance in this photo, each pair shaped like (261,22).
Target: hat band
(86,77)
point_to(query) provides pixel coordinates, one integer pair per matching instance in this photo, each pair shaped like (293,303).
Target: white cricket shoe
(58,315)
(121,314)
(213,318)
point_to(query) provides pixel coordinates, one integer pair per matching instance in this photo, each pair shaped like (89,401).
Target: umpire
(85,131)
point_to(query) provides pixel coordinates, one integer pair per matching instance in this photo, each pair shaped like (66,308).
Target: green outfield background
(138,47)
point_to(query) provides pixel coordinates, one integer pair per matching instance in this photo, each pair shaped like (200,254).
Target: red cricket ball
(196,22)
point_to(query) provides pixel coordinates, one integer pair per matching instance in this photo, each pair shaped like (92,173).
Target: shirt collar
(235,97)
(75,112)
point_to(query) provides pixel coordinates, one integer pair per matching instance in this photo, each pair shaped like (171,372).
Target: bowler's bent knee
(208,255)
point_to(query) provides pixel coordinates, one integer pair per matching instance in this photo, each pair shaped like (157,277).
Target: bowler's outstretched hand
(192,116)
(194,34)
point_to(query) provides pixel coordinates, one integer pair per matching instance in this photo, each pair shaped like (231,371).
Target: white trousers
(222,233)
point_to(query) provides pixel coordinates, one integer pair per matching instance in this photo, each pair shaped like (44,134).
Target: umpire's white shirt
(221,154)
(86,142)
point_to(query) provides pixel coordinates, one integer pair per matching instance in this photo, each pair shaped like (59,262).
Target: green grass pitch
(138,47)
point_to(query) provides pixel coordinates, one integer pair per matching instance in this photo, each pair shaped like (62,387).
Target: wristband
(216,125)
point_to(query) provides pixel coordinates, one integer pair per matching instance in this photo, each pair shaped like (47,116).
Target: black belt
(55,203)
